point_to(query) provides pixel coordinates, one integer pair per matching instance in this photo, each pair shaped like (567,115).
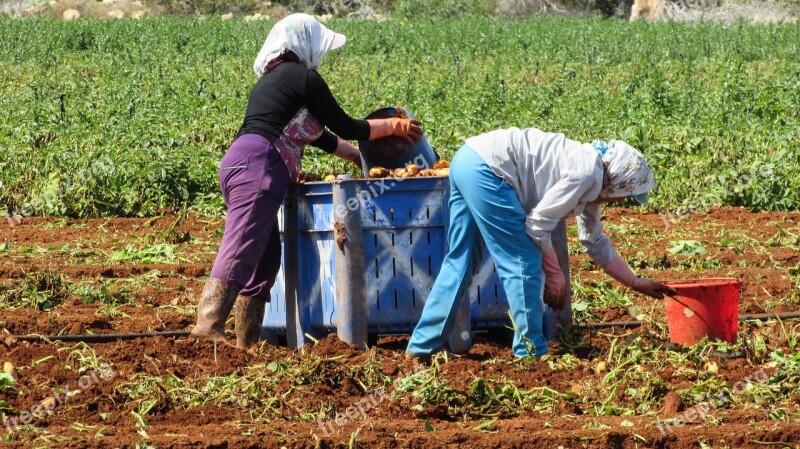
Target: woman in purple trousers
(289,107)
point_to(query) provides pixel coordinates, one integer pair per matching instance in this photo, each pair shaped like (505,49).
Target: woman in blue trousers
(512,188)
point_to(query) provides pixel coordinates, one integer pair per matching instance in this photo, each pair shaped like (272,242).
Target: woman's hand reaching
(653,289)
(408,129)
(347,151)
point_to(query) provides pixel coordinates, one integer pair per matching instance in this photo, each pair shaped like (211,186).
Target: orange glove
(408,129)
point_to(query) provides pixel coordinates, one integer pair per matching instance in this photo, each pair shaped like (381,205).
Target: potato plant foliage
(129,117)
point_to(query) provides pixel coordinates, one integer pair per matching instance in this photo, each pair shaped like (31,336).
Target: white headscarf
(627,172)
(301,34)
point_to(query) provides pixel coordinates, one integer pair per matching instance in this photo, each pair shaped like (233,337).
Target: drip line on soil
(107,338)
(753,317)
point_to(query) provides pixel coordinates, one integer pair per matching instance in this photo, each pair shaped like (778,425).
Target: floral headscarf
(627,172)
(302,34)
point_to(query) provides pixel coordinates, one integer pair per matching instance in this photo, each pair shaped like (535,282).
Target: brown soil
(100,415)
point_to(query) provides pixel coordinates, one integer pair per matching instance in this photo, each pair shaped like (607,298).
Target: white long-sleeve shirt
(555,178)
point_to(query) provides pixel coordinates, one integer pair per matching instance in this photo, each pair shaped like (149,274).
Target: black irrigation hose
(98,338)
(106,338)
(753,317)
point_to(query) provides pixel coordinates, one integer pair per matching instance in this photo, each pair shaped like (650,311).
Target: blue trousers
(481,202)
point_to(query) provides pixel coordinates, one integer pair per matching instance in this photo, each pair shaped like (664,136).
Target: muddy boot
(247,320)
(215,306)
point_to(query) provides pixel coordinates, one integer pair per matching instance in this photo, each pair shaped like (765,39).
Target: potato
(600,367)
(10,369)
(412,169)
(712,367)
(330,178)
(427,172)
(441,163)
(442,172)
(402,173)
(378,172)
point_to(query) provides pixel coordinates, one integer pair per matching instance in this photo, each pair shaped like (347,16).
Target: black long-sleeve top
(278,96)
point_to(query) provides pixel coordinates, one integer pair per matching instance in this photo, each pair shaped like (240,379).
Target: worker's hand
(408,129)
(555,296)
(653,289)
(348,152)
(555,284)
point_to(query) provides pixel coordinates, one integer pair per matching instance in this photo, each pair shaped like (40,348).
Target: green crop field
(122,124)
(129,117)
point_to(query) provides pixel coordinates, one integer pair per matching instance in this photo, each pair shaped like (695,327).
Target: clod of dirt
(672,404)
(332,346)
(341,235)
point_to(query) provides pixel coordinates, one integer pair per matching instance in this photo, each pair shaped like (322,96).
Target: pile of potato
(440,168)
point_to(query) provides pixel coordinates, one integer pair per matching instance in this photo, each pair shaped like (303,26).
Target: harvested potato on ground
(11,370)
(441,163)
(600,367)
(378,172)
(412,169)
(330,178)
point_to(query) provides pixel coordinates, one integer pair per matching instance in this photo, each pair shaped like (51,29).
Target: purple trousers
(253,179)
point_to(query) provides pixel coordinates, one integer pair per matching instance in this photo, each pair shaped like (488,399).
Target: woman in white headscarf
(511,189)
(290,107)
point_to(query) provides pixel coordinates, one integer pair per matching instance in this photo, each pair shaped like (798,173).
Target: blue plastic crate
(312,208)
(403,229)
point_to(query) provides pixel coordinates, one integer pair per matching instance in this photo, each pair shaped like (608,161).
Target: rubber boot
(247,319)
(215,305)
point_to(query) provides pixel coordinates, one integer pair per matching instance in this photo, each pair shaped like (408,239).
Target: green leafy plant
(727,95)
(690,247)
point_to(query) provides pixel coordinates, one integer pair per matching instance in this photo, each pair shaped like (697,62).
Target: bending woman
(289,108)
(512,188)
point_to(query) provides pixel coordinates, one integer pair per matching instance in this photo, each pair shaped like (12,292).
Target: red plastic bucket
(703,308)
